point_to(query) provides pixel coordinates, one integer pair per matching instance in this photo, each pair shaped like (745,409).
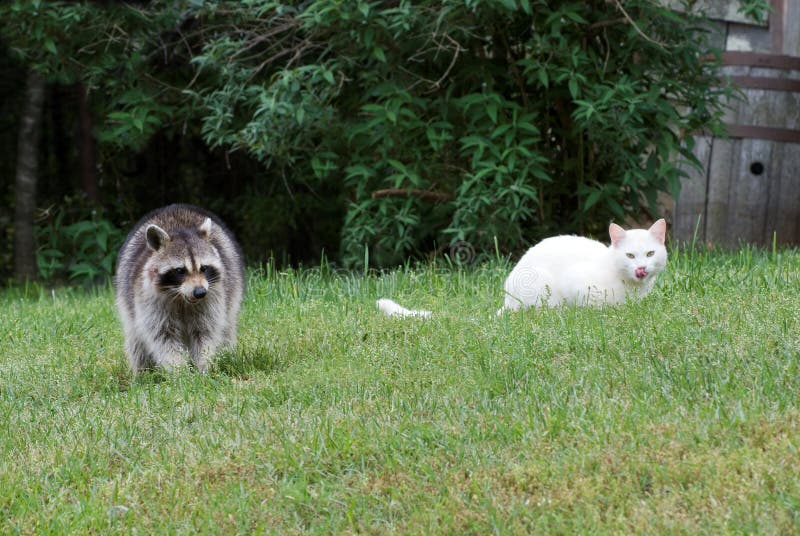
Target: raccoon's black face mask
(193,285)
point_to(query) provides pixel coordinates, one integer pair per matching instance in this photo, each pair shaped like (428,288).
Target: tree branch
(436,197)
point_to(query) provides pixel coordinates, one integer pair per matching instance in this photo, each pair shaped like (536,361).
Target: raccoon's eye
(203,268)
(651,253)
(180,271)
(630,255)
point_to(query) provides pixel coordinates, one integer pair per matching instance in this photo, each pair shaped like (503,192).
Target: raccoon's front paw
(202,365)
(201,356)
(172,361)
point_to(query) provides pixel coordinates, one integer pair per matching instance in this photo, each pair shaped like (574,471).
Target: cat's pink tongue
(641,272)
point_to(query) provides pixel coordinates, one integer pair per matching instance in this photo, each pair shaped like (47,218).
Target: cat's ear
(659,230)
(616,233)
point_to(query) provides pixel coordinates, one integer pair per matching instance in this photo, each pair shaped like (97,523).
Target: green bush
(408,126)
(76,244)
(466,121)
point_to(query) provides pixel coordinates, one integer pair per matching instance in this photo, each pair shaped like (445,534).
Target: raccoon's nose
(199,292)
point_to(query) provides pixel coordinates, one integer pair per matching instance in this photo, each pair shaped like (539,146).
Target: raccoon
(179,287)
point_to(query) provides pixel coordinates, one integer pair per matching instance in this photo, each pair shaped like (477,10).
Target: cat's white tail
(391,308)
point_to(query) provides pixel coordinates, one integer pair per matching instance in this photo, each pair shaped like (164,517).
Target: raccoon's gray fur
(179,287)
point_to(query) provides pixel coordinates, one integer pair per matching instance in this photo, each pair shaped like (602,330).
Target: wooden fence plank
(748,38)
(725,10)
(785,203)
(746,219)
(791,28)
(691,203)
(724,159)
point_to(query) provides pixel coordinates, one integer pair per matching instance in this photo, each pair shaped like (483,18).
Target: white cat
(579,271)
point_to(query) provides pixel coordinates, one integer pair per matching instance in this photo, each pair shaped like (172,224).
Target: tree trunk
(88,161)
(27,175)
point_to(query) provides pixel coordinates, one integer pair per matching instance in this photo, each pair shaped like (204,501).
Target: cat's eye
(651,253)
(630,255)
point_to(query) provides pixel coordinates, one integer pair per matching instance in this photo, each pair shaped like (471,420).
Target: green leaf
(491,110)
(591,199)
(399,166)
(50,46)
(51,253)
(573,88)
(573,16)
(372,108)
(543,78)
(616,208)
(102,240)
(500,130)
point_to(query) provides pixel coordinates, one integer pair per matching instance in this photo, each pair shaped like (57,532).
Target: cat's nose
(641,272)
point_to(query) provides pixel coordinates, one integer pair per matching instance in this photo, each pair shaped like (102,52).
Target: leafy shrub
(465,121)
(76,244)
(427,123)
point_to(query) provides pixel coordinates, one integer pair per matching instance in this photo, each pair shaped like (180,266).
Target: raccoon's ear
(205,228)
(156,237)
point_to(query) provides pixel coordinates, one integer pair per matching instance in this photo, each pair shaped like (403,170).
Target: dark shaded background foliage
(332,124)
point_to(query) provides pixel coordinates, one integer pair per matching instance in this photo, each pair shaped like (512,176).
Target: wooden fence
(749,188)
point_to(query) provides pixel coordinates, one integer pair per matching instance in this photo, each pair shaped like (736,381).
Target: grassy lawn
(677,413)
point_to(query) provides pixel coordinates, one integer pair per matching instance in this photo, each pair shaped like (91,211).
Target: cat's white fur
(392,308)
(579,271)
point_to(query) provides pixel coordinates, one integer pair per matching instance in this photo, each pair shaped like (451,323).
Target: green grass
(678,413)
